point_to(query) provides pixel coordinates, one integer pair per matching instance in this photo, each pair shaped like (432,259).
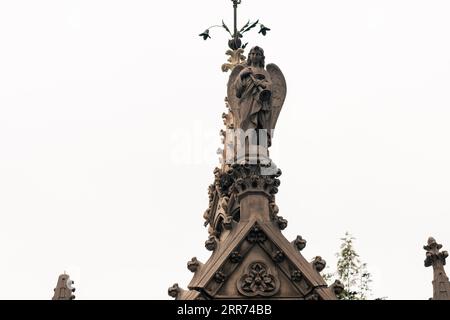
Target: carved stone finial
(337,287)
(318,264)
(64,289)
(282,223)
(220,276)
(431,244)
(436,258)
(194,264)
(434,255)
(235,257)
(299,243)
(211,243)
(174,290)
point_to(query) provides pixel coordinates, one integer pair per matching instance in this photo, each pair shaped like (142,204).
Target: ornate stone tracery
(258,280)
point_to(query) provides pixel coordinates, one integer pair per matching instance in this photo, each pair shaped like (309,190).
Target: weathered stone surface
(299,243)
(436,259)
(250,256)
(64,289)
(319,264)
(194,265)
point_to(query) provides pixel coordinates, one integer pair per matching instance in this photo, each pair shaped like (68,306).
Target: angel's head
(256,57)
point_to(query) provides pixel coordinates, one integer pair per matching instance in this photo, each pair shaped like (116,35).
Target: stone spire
(436,258)
(64,289)
(250,256)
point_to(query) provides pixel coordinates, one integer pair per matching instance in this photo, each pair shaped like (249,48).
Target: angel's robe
(254,101)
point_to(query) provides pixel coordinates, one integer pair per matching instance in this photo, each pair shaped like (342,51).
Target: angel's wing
(278,92)
(233,101)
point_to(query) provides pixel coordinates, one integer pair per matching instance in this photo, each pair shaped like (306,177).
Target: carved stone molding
(174,290)
(235,257)
(296,275)
(220,277)
(436,259)
(241,178)
(433,253)
(258,280)
(64,288)
(278,256)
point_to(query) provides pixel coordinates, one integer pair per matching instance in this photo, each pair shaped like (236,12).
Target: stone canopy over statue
(255,97)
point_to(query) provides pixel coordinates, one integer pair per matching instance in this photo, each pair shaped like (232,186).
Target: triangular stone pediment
(256,261)
(258,276)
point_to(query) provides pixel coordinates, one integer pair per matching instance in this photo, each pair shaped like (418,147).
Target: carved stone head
(256,57)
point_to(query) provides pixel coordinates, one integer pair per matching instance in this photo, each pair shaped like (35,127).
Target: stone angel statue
(256,94)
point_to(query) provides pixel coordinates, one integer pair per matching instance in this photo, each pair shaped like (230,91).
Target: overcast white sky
(110,114)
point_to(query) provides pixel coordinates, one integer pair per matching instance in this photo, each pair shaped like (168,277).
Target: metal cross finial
(235,42)
(235,5)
